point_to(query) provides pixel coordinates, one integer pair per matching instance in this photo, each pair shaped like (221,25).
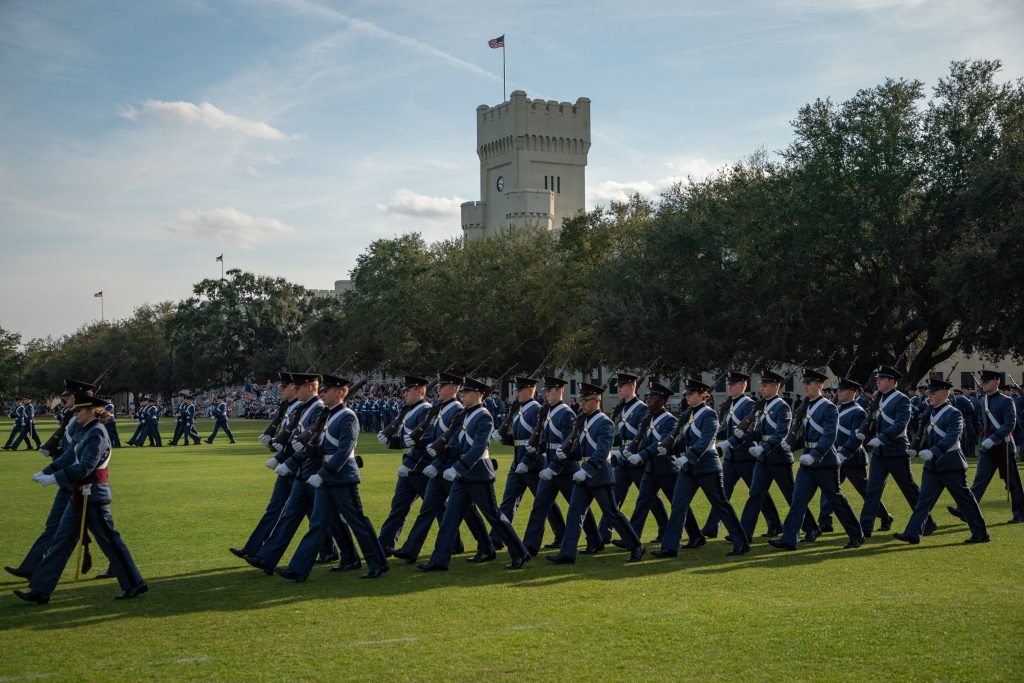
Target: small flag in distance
(220,258)
(98,295)
(497,42)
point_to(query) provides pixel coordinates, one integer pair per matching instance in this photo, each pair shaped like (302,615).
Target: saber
(86,490)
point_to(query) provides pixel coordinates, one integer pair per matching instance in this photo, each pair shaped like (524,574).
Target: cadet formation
(567,459)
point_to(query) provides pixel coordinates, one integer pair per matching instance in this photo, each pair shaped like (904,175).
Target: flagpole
(102,317)
(222,269)
(504,89)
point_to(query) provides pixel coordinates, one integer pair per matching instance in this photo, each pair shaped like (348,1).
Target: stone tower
(533,159)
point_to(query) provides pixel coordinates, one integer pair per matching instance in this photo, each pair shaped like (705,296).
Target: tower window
(559,190)
(545,182)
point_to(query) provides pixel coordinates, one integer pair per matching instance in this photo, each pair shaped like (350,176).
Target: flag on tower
(497,42)
(98,295)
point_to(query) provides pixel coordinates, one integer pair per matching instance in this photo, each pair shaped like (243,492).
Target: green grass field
(938,611)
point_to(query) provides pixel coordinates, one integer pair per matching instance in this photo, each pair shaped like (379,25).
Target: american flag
(98,295)
(248,395)
(497,42)
(220,258)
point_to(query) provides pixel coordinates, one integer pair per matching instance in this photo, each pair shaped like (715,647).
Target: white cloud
(409,203)
(228,226)
(681,170)
(203,115)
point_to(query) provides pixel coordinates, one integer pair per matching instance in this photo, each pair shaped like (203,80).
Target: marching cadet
(698,467)
(998,418)
(889,450)
(438,489)
(16,414)
(595,478)
(737,462)
(84,480)
(853,457)
(944,468)
(472,475)
(297,467)
(153,422)
(336,484)
(556,476)
(412,483)
(111,424)
(282,484)
(526,466)
(819,467)
(969,438)
(190,420)
(140,424)
(23,424)
(774,463)
(659,470)
(220,416)
(631,412)
(179,423)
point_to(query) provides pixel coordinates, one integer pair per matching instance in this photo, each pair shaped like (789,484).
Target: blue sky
(142,139)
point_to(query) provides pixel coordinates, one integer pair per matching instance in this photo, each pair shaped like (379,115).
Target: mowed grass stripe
(888,611)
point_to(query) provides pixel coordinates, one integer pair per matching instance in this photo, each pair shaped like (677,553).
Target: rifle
(505,429)
(724,410)
(441,442)
(796,425)
(924,419)
(388,433)
(285,435)
(759,405)
(867,427)
(668,444)
(317,427)
(53,444)
(634,443)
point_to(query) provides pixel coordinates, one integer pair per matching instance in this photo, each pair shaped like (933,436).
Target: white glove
(635,459)
(559,453)
(315,481)
(46,480)
(738,433)
(432,451)
(806,459)
(861,435)
(383,439)
(756,451)
(408,441)
(531,450)
(618,454)
(988,443)
(430,471)
(450,474)
(662,450)
(679,462)
(272,464)
(786,447)
(37,476)
(496,435)
(875,442)
(911,452)
(264,439)
(580,476)
(522,468)
(282,470)
(925,455)
(45,453)
(547,474)
(723,446)
(278,447)
(403,471)
(298,446)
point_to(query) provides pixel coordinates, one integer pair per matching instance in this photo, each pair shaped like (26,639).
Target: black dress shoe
(290,575)
(781,545)
(377,573)
(637,553)
(825,529)
(810,536)
(498,547)
(554,545)
(741,550)
(388,552)
(853,543)
(402,555)
(906,538)
(259,564)
(532,552)
(886,524)
(559,558)
(977,539)
(929,529)
(695,543)
(619,543)
(431,567)
(772,533)
(328,559)
(592,549)
(953,511)
(518,563)
(20,573)
(133,592)
(33,596)
(347,567)
(662,553)
(480,558)
(106,574)
(709,534)
(237,552)
(867,534)
(1016,520)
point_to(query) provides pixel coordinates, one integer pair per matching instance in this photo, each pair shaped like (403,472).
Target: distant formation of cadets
(583,457)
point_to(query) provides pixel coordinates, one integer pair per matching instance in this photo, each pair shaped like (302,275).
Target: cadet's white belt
(522,442)
(811,445)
